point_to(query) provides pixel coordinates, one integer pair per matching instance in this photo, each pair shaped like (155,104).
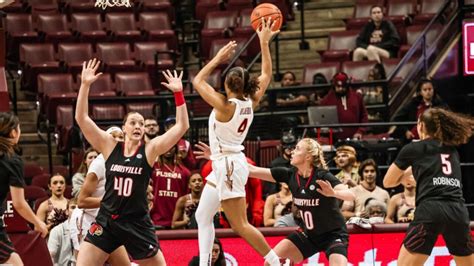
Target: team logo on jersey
(312,187)
(303,192)
(96,229)
(127,160)
(139,156)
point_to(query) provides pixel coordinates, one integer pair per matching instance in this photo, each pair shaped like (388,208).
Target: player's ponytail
(238,81)
(315,149)
(449,128)
(8,122)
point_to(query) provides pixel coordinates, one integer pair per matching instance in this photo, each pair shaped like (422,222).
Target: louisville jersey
(170,182)
(436,169)
(11,174)
(127,179)
(227,137)
(320,214)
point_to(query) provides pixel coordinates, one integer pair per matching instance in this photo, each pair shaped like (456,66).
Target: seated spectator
(316,97)
(287,144)
(185,151)
(152,129)
(425,98)
(346,160)
(170,182)
(378,38)
(350,106)
(275,204)
(376,211)
(291,216)
(374,94)
(402,205)
(186,205)
(59,241)
(367,189)
(217,258)
(78,178)
(56,205)
(292,98)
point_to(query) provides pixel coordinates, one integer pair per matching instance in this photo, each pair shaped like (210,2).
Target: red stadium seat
(412,34)
(16,7)
(162,6)
(245,31)
(358,70)
(64,125)
(136,83)
(145,109)
(145,54)
(401,7)
(72,55)
(216,25)
(103,86)
(203,7)
(157,26)
(75,6)
(37,58)
(122,26)
(41,181)
(19,29)
(89,27)
(340,46)
(238,5)
(53,90)
(32,169)
(54,28)
(108,112)
(115,56)
(328,69)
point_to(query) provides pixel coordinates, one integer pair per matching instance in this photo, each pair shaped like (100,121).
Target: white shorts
(231,174)
(79,224)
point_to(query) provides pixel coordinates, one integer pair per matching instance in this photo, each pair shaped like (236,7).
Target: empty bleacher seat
(115,56)
(136,83)
(157,27)
(358,70)
(328,69)
(340,46)
(108,112)
(122,26)
(73,55)
(54,28)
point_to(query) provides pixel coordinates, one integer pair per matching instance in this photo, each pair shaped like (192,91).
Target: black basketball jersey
(127,179)
(320,214)
(436,169)
(11,174)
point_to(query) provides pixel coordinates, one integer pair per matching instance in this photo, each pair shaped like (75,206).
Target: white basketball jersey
(227,137)
(98,168)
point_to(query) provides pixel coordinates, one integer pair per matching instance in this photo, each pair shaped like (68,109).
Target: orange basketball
(266,10)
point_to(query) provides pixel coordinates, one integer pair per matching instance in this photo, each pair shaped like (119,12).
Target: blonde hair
(315,150)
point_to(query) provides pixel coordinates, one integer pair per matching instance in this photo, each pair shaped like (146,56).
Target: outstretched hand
(89,68)
(326,188)
(174,81)
(203,152)
(226,52)
(265,32)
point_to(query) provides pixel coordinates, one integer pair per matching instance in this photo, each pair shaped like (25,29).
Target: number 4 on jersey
(123,186)
(243,126)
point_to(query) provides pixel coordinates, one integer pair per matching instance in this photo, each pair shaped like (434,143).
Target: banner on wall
(380,249)
(468,47)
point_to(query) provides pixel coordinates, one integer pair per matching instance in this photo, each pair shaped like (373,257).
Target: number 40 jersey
(227,137)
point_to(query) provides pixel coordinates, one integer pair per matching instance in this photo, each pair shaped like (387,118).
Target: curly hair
(448,127)
(315,149)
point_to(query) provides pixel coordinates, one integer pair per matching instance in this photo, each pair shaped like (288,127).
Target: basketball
(266,10)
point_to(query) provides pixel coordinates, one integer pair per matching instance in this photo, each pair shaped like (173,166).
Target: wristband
(179,98)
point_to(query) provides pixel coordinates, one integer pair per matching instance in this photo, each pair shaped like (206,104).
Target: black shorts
(450,219)
(6,246)
(138,236)
(334,242)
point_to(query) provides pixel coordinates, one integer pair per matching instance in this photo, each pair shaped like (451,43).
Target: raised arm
(163,143)
(98,138)
(265,34)
(207,92)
